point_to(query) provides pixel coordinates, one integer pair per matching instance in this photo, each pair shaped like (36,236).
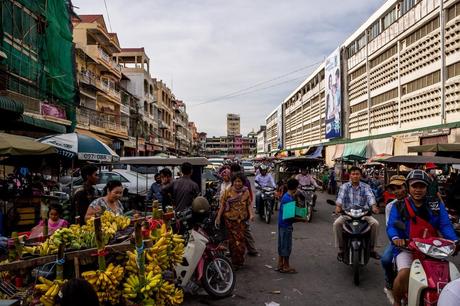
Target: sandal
(288,271)
(375,255)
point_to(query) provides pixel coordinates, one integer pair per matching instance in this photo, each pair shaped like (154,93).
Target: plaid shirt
(352,197)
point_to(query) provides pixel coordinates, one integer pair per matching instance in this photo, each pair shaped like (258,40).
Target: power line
(249,92)
(243,91)
(108,16)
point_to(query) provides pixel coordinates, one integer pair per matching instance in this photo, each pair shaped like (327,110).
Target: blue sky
(206,49)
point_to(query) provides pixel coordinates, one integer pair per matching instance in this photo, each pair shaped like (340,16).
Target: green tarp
(43,124)
(355,150)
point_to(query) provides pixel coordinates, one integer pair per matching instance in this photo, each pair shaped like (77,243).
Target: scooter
(430,271)
(356,237)
(306,194)
(267,204)
(204,264)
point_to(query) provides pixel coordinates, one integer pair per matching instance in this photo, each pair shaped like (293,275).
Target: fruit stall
(127,262)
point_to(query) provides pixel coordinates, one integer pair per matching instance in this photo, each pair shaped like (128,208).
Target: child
(285,229)
(54,222)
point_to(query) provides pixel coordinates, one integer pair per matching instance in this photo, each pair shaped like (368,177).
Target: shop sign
(430,133)
(52,111)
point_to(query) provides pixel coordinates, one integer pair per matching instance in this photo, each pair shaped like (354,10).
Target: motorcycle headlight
(438,252)
(356,213)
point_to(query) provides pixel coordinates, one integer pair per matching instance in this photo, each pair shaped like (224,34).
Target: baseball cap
(429,166)
(397,180)
(412,182)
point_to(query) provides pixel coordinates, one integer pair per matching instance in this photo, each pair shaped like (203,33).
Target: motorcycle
(454,217)
(267,203)
(204,264)
(430,271)
(356,237)
(306,195)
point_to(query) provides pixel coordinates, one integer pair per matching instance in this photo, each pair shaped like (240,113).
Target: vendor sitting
(54,222)
(110,202)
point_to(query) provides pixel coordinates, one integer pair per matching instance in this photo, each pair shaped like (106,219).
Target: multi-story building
(202,143)
(100,112)
(195,138)
(182,135)
(165,98)
(400,79)
(233,125)
(38,89)
(136,66)
(231,146)
(261,141)
(274,130)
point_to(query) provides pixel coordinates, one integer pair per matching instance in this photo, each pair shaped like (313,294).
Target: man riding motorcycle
(264,179)
(355,194)
(306,179)
(423,217)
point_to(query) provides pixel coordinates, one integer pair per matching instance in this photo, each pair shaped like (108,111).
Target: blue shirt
(288,222)
(355,197)
(439,221)
(155,193)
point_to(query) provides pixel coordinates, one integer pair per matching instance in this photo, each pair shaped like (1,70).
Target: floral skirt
(236,240)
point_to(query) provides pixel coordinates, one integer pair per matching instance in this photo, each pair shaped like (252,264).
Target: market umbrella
(14,145)
(81,146)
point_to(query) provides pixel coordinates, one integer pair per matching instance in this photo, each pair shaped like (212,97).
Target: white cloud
(209,48)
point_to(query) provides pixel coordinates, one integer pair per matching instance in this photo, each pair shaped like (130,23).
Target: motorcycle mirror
(400,225)
(330,202)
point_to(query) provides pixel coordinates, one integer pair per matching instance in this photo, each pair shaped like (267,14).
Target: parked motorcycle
(306,194)
(267,203)
(356,237)
(204,264)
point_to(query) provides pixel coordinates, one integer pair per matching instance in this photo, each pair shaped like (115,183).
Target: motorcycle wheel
(356,267)
(309,215)
(267,214)
(214,285)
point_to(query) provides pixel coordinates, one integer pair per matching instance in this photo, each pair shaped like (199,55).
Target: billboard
(333,91)
(279,127)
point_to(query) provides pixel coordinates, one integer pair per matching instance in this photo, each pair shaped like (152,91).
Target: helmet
(200,205)
(419,176)
(263,168)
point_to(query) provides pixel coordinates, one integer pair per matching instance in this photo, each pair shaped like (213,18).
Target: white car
(136,183)
(248,168)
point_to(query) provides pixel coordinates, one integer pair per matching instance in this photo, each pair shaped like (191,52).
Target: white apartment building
(273,135)
(401,84)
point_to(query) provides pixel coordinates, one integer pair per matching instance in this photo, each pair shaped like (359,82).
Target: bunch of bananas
(133,288)
(66,236)
(106,283)
(169,295)
(49,290)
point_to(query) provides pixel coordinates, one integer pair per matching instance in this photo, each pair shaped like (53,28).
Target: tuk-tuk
(198,164)
(290,166)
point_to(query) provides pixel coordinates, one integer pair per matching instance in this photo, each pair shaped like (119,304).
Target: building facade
(261,141)
(231,146)
(400,80)
(233,125)
(38,89)
(165,98)
(100,111)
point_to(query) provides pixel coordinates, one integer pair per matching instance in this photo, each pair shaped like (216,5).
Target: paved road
(321,279)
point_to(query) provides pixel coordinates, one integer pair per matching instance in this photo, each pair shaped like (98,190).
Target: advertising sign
(279,127)
(333,96)
(52,110)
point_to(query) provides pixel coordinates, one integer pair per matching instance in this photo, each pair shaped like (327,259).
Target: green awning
(355,150)
(43,124)
(8,104)
(436,147)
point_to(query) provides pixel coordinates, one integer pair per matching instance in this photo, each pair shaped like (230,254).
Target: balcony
(111,91)
(101,123)
(88,78)
(104,59)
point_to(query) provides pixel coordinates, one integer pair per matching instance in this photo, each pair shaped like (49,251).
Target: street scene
(272,153)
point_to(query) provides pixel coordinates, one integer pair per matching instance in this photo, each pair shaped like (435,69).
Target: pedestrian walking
(235,207)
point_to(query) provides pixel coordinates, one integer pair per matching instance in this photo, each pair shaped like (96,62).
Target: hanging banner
(333,96)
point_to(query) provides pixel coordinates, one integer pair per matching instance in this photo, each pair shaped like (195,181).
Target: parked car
(136,183)
(248,167)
